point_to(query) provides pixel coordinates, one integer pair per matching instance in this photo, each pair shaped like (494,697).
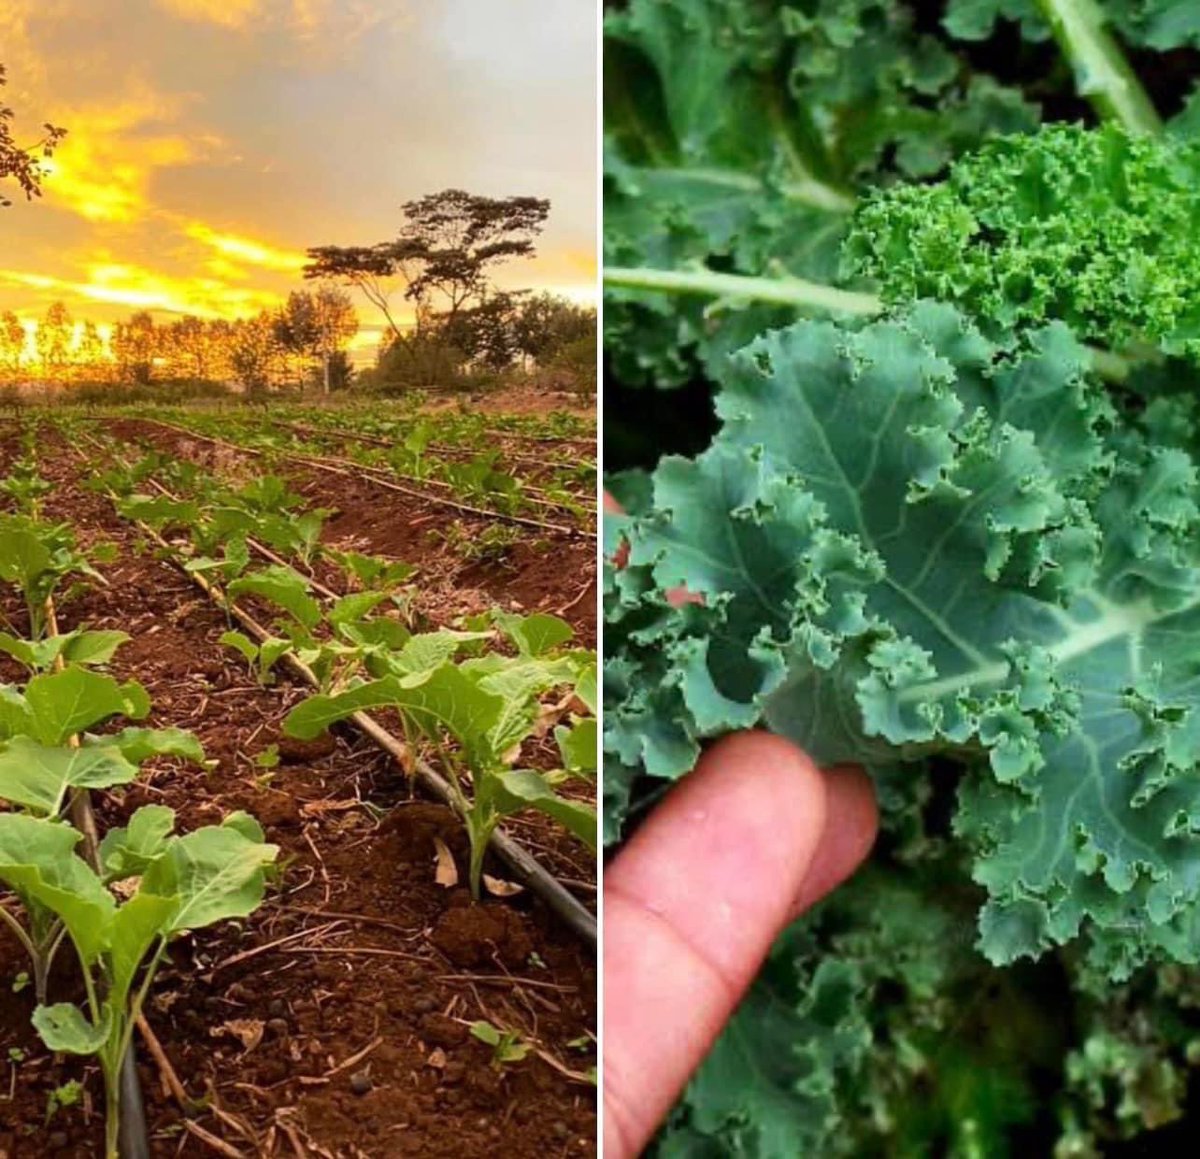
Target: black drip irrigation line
(370,476)
(392,444)
(523,866)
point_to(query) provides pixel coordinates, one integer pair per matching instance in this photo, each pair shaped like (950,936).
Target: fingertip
(762,760)
(729,848)
(852,822)
(852,798)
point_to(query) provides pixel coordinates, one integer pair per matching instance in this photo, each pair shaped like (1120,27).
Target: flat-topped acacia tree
(443,255)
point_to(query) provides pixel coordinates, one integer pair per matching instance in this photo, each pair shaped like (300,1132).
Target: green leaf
(159,512)
(1091,227)
(28,652)
(578,746)
(40,777)
(140,744)
(585,689)
(510,792)
(15,717)
(355,606)
(215,873)
(127,851)
(138,924)
(442,699)
(429,650)
(64,1028)
(242,644)
(910,544)
(283,587)
(534,635)
(485,1032)
(38,860)
(64,703)
(24,557)
(92,647)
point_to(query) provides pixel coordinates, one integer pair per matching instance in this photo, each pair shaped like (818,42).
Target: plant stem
(1102,74)
(480,833)
(800,295)
(22,937)
(112,1115)
(795,292)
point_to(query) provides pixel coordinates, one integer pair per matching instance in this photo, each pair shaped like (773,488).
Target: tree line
(302,342)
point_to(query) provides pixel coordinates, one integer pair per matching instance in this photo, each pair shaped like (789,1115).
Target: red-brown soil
(333,1022)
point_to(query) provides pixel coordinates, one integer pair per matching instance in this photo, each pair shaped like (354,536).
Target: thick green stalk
(112,1117)
(784,291)
(1102,74)
(800,295)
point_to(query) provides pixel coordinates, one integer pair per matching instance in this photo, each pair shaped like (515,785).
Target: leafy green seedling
(68,1095)
(261,658)
(507,1046)
(268,758)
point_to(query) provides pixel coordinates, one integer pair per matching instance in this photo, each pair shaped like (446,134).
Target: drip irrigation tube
(391,444)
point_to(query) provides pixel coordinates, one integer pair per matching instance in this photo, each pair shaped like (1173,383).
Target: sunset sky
(211,141)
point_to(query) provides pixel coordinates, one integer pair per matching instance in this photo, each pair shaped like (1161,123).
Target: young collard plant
(184,883)
(476,713)
(36,557)
(507,1045)
(47,754)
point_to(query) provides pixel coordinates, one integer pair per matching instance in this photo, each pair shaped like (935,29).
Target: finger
(691,907)
(852,820)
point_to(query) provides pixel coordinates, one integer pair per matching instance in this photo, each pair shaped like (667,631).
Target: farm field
(353,644)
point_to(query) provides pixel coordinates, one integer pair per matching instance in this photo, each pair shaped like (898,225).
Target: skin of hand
(738,849)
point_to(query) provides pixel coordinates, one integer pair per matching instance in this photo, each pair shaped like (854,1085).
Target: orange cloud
(142,289)
(246,249)
(103,170)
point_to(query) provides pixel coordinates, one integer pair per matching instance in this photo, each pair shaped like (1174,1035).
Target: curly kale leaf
(874,1029)
(1093,228)
(907,542)
(736,132)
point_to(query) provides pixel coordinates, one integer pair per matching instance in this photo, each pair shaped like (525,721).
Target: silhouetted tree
(443,256)
(53,339)
(135,346)
(12,342)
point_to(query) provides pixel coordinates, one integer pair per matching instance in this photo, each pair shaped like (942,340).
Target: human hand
(739,848)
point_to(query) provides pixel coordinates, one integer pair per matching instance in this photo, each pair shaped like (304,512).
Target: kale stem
(784,291)
(799,294)
(1102,74)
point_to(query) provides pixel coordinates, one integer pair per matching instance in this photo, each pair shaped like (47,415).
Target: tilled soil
(334,1021)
